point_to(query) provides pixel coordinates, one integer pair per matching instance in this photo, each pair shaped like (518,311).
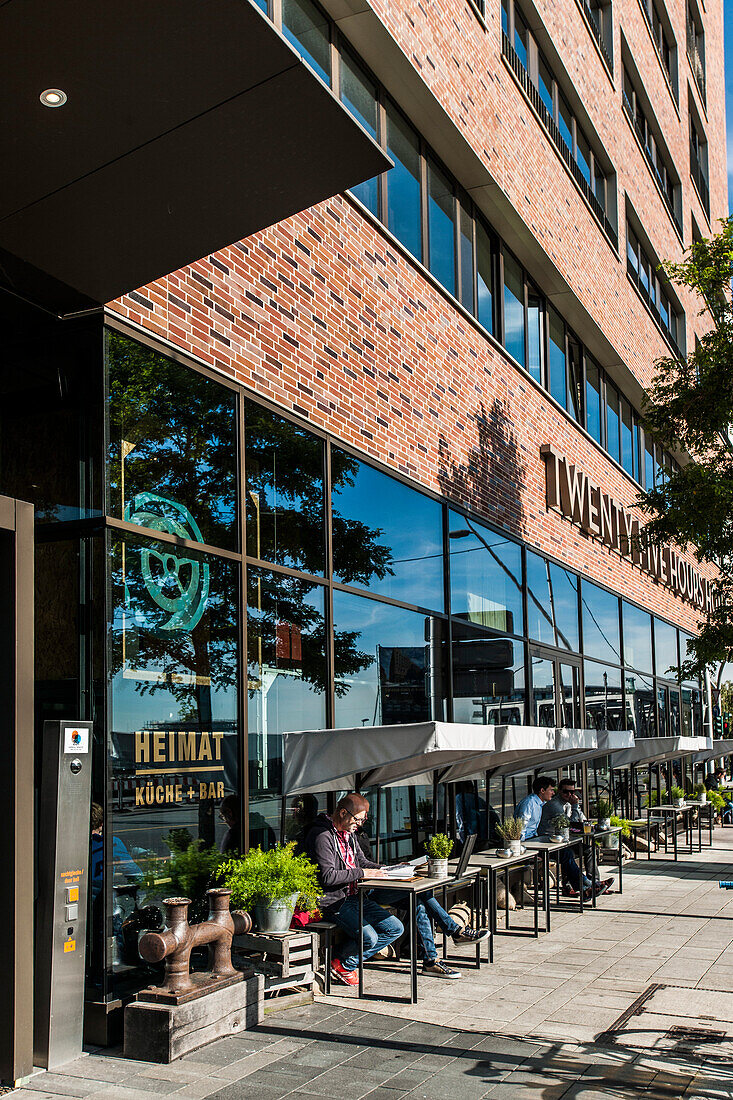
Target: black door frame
(16,787)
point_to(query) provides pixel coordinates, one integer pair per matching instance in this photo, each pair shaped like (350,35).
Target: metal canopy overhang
(188,126)
(321,760)
(714,751)
(655,750)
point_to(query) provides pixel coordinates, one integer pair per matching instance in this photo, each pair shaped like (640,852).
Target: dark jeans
(380,928)
(427,907)
(571,870)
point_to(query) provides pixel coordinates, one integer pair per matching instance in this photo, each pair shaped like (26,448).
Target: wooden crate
(285,959)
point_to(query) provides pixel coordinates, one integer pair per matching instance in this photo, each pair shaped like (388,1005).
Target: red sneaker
(348,977)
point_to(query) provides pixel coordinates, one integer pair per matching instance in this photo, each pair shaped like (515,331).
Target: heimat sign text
(572,493)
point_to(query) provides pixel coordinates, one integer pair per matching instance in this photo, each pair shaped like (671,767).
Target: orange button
(70,945)
(72,894)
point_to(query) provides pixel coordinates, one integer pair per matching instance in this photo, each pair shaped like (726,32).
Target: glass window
(627,438)
(543,692)
(287,681)
(359,95)
(583,156)
(575,381)
(665,649)
(284,499)
(632,250)
(644,273)
(468,290)
(544,86)
(535,332)
(174,738)
(558,367)
(386,536)
(552,603)
(172,452)
(600,182)
(488,677)
(485,305)
(565,121)
(640,711)
(604,706)
(600,623)
(441,228)
(650,466)
(388,665)
(521,37)
(307,29)
(593,398)
(505,16)
(485,576)
(513,308)
(637,637)
(612,422)
(403,183)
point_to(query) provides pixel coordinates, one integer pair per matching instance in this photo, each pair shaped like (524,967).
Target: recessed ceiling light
(53,97)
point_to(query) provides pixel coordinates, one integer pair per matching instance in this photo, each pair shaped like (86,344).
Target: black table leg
(360,934)
(535,892)
(674,836)
(506,899)
(476,902)
(546,887)
(413,944)
(620,862)
(445,934)
(649,835)
(593,868)
(490,908)
(582,876)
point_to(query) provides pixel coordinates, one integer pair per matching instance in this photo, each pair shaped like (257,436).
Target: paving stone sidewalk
(629,1000)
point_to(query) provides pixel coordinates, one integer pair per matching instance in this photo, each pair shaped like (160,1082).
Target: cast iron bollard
(178,940)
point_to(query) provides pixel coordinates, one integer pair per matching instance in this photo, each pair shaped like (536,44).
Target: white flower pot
(679,802)
(703,798)
(566,834)
(516,847)
(437,868)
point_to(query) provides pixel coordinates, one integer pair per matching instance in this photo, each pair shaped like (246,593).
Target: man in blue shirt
(530,808)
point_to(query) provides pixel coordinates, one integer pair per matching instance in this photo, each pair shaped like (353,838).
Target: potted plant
(560,827)
(270,884)
(702,794)
(605,810)
(439,848)
(678,796)
(511,833)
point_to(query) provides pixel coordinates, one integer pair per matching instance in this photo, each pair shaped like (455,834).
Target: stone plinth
(162,1033)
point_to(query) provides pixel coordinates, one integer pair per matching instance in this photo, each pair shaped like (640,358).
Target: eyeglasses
(358,820)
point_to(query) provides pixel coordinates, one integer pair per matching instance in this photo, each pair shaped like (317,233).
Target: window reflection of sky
(552,604)
(637,637)
(600,623)
(405,522)
(486,579)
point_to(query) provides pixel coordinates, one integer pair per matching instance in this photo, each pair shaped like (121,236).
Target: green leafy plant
(652,799)
(274,875)
(623,823)
(511,829)
(439,846)
(188,872)
(699,789)
(605,809)
(717,800)
(560,824)
(677,792)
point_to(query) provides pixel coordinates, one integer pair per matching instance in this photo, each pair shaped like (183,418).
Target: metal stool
(324,928)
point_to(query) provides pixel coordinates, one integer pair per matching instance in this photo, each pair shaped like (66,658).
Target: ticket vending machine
(63,892)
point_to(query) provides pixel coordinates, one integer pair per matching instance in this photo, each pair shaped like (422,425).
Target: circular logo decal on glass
(178,585)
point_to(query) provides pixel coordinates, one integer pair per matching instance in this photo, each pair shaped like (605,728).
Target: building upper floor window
(664,40)
(587,162)
(643,272)
(699,161)
(600,21)
(661,165)
(696,46)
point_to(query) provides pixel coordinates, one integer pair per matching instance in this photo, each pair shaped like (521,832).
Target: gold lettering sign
(572,493)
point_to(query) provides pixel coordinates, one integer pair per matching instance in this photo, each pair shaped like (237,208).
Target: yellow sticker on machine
(70,945)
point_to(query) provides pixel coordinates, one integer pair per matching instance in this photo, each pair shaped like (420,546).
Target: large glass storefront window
(287,681)
(387,537)
(601,638)
(488,677)
(604,709)
(172,446)
(284,494)
(552,604)
(485,576)
(389,663)
(640,709)
(173,732)
(665,648)
(637,637)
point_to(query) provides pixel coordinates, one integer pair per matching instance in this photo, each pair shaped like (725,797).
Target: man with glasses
(342,862)
(564,803)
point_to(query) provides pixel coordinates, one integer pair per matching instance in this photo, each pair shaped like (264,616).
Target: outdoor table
(700,806)
(412,887)
(685,812)
(637,826)
(494,866)
(468,878)
(553,847)
(596,835)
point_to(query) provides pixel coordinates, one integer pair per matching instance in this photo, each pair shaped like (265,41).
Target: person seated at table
(574,813)
(342,863)
(530,808)
(713,779)
(573,883)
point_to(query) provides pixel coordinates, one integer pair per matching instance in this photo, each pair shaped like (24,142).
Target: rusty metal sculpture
(179,938)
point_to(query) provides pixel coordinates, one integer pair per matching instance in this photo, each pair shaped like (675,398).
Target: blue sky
(728,17)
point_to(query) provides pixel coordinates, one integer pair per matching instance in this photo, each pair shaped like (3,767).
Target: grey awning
(654,750)
(321,760)
(715,750)
(188,126)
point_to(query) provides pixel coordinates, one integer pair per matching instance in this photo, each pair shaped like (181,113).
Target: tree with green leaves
(689,407)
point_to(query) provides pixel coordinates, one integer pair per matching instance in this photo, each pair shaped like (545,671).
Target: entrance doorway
(555,688)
